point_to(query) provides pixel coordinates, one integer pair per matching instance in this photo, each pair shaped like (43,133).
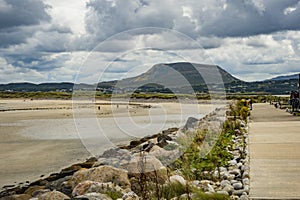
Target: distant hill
(179,77)
(31,87)
(172,77)
(282,78)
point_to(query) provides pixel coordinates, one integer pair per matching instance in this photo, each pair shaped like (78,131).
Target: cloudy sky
(91,40)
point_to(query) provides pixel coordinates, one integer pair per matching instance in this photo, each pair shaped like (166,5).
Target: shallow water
(42,142)
(100,133)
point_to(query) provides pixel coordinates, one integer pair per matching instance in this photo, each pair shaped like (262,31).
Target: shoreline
(33,149)
(87,162)
(69,181)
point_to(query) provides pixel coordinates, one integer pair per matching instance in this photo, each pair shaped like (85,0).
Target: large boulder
(190,123)
(143,163)
(54,195)
(93,196)
(177,179)
(145,168)
(17,197)
(165,156)
(96,187)
(102,174)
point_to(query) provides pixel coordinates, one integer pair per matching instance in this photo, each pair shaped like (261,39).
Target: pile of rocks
(117,172)
(235,179)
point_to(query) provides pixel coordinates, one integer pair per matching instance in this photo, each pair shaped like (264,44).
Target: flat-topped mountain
(181,74)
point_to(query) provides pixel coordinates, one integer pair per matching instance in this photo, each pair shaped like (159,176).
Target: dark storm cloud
(19,18)
(242,18)
(14,13)
(37,61)
(231,18)
(106,18)
(29,38)
(12,36)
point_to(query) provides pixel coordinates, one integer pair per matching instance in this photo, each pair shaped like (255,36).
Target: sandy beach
(39,137)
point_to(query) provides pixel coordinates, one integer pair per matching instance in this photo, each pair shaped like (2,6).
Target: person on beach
(250,103)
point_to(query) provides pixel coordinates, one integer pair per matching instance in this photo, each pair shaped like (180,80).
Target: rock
(57,184)
(228,188)
(223,169)
(190,123)
(183,196)
(196,183)
(135,143)
(165,156)
(93,196)
(32,189)
(222,192)
(130,196)
(148,146)
(17,197)
(54,195)
(38,193)
(240,164)
(116,153)
(206,186)
(238,192)
(233,162)
(229,176)
(177,178)
(234,197)
(162,143)
(210,189)
(246,181)
(144,164)
(237,185)
(236,172)
(169,131)
(245,168)
(244,197)
(163,137)
(96,187)
(225,183)
(246,175)
(82,188)
(204,182)
(107,161)
(246,189)
(102,174)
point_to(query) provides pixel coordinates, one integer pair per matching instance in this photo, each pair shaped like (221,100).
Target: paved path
(274,145)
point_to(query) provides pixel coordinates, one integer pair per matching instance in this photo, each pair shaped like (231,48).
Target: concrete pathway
(274,145)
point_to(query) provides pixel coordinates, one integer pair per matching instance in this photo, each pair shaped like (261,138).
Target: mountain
(179,75)
(282,78)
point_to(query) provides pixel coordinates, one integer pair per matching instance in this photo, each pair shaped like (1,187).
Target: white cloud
(70,13)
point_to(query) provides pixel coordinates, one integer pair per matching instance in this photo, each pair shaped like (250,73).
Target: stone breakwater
(122,173)
(234,179)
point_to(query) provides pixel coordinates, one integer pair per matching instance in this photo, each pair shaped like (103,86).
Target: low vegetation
(193,165)
(35,95)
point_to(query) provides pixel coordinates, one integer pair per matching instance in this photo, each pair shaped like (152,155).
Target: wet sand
(29,150)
